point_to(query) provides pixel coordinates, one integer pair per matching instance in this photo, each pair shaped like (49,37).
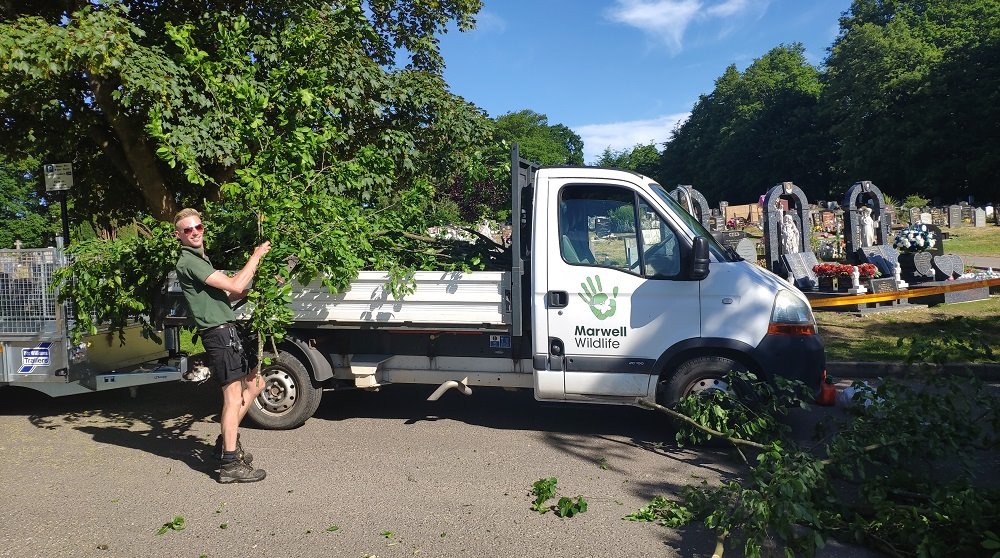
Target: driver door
(616,298)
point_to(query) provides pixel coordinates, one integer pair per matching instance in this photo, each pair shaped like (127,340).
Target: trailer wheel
(289,397)
(696,375)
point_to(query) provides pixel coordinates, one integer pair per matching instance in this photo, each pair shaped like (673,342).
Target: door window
(597,227)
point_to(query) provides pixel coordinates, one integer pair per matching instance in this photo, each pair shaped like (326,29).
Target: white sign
(58,176)
(35,356)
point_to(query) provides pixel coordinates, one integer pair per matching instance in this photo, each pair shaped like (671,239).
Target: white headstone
(925,218)
(979,217)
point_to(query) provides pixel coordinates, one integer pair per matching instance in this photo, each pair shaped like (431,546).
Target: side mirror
(699,259)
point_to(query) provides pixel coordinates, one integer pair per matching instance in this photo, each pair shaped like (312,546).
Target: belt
(214,328)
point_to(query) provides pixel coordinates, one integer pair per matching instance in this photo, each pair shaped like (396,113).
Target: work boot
(238,470)
(248,457)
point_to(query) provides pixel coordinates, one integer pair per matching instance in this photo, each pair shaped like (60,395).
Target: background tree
(914,96)
(641,158)
(755,129)
(26,214)
(538,140)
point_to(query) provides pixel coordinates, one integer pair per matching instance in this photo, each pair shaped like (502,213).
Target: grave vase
(843,283)
(827,283)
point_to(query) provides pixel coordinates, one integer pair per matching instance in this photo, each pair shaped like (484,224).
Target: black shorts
(228,357)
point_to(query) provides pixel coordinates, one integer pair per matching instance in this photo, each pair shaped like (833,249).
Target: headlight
(791,316)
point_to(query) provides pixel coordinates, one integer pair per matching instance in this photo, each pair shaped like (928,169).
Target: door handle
(558,299)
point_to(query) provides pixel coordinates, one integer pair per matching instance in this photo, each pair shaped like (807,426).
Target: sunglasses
(199,227)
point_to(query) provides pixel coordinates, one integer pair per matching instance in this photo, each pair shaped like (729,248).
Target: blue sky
(622,72)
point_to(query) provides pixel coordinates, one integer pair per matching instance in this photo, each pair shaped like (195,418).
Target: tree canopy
(538,140)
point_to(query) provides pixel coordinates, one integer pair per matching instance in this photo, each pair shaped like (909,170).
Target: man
(208,293)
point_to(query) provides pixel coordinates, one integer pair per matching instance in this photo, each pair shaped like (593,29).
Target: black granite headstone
(800,266)
(729,238)
(884,257)
(883,285)
(954,216)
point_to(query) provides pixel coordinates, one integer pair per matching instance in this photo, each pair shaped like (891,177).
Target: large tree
(539,141)
(755,129)
(321,127)
(914,95)
(641,158)
(26,213)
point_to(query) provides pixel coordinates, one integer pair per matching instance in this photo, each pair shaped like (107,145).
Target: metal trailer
(36,351)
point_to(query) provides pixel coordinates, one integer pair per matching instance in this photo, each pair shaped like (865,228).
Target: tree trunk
(142,162)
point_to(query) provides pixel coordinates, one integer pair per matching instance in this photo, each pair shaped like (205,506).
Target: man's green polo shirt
(209,306)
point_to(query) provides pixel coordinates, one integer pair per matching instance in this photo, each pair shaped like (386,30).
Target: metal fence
(27,302)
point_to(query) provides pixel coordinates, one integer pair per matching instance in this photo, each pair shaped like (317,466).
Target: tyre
(289,397)
(696,375)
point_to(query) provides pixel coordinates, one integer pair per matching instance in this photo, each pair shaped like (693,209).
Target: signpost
(59,178)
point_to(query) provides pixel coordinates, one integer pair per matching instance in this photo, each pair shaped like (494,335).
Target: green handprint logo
(600,304)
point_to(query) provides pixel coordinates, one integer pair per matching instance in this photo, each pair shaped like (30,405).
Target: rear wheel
(700,374)
(289,397)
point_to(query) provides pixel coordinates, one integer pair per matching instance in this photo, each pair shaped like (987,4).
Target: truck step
(364,368)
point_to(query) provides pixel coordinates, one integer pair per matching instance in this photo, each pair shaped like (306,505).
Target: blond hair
(184,214)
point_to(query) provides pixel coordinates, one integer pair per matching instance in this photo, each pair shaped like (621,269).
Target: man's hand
(264,248)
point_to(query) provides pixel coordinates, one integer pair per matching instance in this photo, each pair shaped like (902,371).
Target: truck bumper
(795,357)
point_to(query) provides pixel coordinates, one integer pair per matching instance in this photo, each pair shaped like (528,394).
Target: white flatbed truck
(615,295)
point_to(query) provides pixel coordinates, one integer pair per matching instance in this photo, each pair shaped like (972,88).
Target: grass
(973,241)
(873,338)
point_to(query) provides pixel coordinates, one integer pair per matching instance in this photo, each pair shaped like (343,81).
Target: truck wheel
(696,375)
(289,397)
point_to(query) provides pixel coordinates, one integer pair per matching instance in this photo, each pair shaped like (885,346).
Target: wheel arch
(317,365)
(688,349)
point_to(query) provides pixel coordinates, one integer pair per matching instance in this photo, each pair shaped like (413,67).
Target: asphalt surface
(372,474)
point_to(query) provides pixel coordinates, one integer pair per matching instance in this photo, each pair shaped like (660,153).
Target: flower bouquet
(833,276)
(915,238)
(868,271)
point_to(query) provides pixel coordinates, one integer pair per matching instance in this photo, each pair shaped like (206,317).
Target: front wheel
(289,397)
(699,374)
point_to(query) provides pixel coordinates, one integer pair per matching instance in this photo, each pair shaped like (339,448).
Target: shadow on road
(158,420)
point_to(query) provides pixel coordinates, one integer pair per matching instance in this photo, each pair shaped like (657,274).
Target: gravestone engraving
(800,267)
(954,216)
(883,256)
(914,215)
(979,218)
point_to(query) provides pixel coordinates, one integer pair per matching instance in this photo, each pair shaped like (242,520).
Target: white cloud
(667,20)
(490,22)
(625,135)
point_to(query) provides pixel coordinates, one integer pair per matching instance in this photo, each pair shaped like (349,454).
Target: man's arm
(236,285)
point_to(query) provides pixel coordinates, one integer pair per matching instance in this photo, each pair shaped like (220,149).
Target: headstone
(979,217)
(781,201)
(828,221)
(954,216)
(693,201)
(730,238)
(938,248)
(914,215)
(861,197)
(926,218)
(800,267)
(939,217)
(747,249)
(967,214)
(883,256)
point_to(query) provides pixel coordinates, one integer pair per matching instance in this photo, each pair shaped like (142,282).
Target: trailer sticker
(499,341)
(36,356)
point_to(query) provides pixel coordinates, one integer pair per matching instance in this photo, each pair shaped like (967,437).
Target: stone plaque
(800,267)
(914,215)
(938,218)
(954,216)
(943,266)
(883,285)
(747,249)
(730,238)
(884,257)
(829,221)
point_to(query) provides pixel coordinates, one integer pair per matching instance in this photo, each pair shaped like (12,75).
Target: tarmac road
(98,474)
